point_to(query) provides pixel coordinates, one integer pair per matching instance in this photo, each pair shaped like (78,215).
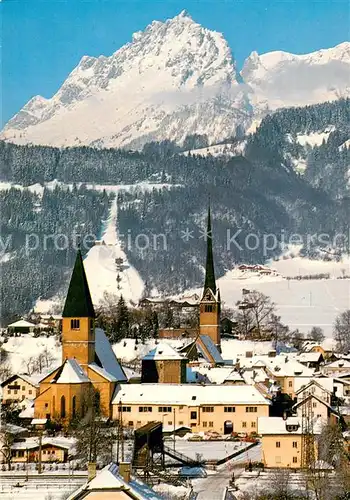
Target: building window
(290,383)
(23,388)
(30,391)
(244,424)
(181,407)
(126,409)
(75,324)
(229,409)
(208,308)
(278,460)
(164,409)
(205,424)
(253,424)
(44,452)
(145,409)
(63,407)
(9,391)
(193,424)
(130,423)
(15,391)
(74,406)
(295,460)
(278,444)
(319,415)
(295,444)
(181,422)
(314,404)
(208,409)
(211,424)
(170,422)
(21,453)
(193,415)
(251,409)
(47,416)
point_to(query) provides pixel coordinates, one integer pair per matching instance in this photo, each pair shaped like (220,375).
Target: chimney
(91,470)
(125,471)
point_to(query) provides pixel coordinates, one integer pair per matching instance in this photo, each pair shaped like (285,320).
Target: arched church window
(63,407)
(74,406)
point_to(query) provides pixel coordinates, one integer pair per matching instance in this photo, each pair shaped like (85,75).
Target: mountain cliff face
(174,79)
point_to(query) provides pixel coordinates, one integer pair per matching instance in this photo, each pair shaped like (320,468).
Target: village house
(52,450)
(337,367)
(282,441)
(220,408)
(316,408)
(115,481)
(19,387)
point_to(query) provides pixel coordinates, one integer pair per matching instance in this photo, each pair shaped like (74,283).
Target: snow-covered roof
(102,372)
(211,348)
(110,479)
(279,425)
(21,324)
(26,378)
(302,383)
(71,373)
(107,357)
(212,375)
(282,365)
(11,428)
(163,351)
(309,357)
(39,421)
(32,443)
(339,363)
(187,394)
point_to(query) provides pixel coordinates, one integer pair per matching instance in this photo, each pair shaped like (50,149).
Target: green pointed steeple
(209,268)
(78,302)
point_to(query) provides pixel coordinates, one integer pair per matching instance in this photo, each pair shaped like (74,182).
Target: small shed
(21,327)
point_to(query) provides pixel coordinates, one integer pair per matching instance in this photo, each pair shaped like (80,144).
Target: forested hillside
(34,264)
(259,193)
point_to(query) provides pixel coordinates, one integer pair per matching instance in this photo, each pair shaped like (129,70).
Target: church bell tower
(209,309)
(78,318)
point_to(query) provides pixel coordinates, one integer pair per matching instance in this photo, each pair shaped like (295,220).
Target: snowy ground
(209,450)
(21,349)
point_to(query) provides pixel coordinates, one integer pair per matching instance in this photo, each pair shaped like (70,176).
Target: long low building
(220,408)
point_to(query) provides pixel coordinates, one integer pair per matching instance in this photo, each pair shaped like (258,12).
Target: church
(89,365)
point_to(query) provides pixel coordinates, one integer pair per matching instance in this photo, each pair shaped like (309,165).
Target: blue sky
(43,40)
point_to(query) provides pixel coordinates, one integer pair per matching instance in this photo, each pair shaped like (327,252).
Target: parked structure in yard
(21,327)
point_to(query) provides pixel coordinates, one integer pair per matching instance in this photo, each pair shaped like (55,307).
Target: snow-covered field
(209,450)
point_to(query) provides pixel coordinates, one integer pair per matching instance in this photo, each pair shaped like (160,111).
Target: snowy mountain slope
(174,79)
(280,79)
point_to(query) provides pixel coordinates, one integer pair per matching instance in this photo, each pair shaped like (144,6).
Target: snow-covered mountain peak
(173,79)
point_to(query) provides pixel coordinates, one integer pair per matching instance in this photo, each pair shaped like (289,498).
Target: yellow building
(282,441)
(220,408)
(52,450)
(19,387)
(88,361)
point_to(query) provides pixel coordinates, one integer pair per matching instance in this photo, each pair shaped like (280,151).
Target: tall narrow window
(74,406)
(75,324)
(63,407)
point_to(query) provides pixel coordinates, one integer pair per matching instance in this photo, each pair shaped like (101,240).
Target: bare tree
(6,442)
(95,440)
(317,334)
(255,312)
(341,331)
